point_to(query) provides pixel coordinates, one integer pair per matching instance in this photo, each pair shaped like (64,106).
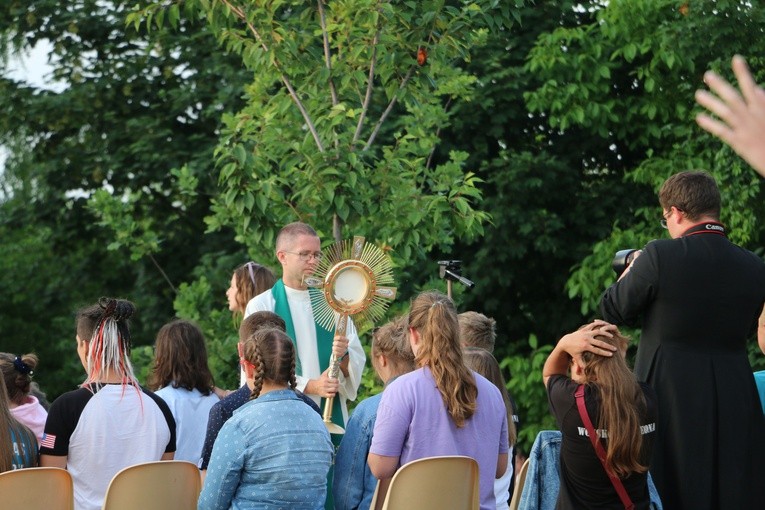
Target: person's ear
(249,370)
(382,360)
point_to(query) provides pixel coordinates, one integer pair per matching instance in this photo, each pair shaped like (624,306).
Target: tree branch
(337,228)
(327,56)
(370,84)
(306,117)
(387,111)
(167,279)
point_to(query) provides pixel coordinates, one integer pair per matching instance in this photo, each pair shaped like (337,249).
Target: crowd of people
(688,416)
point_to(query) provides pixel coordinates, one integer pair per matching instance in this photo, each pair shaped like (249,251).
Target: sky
(33,67)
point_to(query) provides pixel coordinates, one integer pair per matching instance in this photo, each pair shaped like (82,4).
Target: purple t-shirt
(413,423)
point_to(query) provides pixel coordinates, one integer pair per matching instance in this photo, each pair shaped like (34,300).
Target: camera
(451,270)
(622,260)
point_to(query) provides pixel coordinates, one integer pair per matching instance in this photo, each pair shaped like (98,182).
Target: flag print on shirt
(48,441)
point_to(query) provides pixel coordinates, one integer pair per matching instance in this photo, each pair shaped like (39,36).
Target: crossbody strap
(620,490)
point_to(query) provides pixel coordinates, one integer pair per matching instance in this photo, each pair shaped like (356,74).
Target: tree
(343,116)
(138,117)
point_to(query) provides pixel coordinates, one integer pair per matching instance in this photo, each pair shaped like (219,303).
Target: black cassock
(697,299)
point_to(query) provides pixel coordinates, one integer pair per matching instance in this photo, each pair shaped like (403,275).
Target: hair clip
(22,367)
(250,265)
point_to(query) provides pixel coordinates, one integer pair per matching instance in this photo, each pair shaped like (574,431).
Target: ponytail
(434,317)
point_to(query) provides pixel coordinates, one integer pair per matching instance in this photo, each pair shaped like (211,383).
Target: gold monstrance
(350,275)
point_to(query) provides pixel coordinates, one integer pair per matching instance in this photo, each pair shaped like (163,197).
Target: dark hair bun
(119,309)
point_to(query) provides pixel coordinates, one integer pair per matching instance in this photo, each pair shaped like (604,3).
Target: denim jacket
(354,485)
(274,452)
(540,491)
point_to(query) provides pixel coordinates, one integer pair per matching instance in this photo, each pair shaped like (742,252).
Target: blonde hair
(484,362)
(392,341)
(622,403)
(434,317)
(477,330)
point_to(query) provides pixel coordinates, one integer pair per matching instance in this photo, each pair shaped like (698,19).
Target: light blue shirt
(274,452)
(354,484)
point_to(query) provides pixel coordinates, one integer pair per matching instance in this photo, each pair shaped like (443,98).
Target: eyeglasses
(305,256)
(667,215)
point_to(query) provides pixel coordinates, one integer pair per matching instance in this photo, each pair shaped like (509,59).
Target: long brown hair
(434,317)
(17,372)
(251,279)
(180,358)
(621,404)
(484,362)
(9,427)
(272,354)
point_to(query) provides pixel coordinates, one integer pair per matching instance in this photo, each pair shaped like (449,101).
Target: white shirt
(307,349)
(190,410)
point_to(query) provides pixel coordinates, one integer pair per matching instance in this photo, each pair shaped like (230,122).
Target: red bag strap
(620,490)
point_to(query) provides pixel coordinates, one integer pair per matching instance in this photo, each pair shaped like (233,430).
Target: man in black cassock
(697,298)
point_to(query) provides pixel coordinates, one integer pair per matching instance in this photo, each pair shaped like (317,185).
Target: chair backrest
(38,488)
(435,483)
(519,481)
(161,485)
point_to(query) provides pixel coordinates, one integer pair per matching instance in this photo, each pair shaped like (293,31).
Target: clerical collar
(708,227)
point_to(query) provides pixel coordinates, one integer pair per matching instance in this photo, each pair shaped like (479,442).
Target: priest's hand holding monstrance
(353,278)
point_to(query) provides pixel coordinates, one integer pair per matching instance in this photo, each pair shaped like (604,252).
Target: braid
(272,354)
(259,374)
(293,377)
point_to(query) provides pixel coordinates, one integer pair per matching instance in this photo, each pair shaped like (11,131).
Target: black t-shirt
(584,482)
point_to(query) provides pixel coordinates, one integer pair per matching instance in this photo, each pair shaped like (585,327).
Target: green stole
(324,340)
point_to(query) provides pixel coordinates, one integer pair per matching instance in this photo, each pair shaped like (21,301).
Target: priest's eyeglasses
(305,256)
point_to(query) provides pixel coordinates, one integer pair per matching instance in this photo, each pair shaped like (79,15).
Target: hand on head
(585,340)
(740,116)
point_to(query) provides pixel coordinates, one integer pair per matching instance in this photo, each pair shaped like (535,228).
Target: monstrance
(351,276)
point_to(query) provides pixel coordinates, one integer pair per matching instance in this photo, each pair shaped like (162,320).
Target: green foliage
(628,77)
(118,155)
(220,330)
(528,391)
(341,120)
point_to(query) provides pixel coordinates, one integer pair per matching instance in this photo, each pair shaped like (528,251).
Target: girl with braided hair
(275,451)
(17,371)
(110,422)
(442,408)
